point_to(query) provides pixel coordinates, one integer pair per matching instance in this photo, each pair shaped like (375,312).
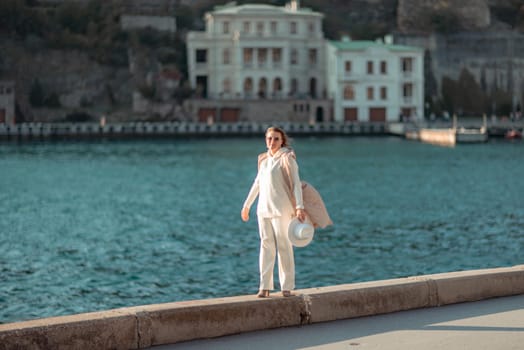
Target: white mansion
(271,63)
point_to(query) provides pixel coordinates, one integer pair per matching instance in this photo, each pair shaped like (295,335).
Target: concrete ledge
(370,298)
(458,287)
(99,330)
(145,326)
(182,321)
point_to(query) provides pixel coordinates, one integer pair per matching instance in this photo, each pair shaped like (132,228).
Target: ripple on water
(92,226)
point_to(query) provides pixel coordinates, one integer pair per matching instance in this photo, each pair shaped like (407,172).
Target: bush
(73,17)
(36,94)
(79,117)
(182,93)
(52,101)
(147,91)
(445,22)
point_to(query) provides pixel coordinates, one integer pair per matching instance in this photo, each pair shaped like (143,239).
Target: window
(347,67)
(260,28)
(294,86)
(201,55)
(370,67)
(383,93)
(248,56)
(294,56)
(225,28)
(246,27)
(349,92)
(293,27)
(311,27)
(248,85)
(370,93)
(383,67)
(226,56)
(273,27)
(227,85)
(407,90)
(262,57)
(312,57)
(277,55)
(407,64)
(277,85)
(262,88)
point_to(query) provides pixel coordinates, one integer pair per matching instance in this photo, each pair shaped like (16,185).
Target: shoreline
(159,324)
(141,130)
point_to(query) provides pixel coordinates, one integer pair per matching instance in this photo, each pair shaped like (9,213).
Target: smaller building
(375,81)
(7,102)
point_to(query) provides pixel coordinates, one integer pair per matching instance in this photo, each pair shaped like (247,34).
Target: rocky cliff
(442,15)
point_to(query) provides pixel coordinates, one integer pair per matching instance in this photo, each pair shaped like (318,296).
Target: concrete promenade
(494,324)
(428,305)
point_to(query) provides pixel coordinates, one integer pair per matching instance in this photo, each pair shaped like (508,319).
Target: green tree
(184,17)
(52,101)
(36,94)
(73,16)
(470,98)
(445,21)
(448,91)
(16,18)
(502,101)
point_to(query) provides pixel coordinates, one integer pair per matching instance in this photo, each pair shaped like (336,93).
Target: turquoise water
(93,226)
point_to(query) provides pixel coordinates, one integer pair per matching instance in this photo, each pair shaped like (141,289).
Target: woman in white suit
(277,206)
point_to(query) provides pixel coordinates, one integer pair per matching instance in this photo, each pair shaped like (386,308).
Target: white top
(270,186)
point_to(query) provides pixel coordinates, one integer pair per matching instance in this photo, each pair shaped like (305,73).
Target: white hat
(300,233)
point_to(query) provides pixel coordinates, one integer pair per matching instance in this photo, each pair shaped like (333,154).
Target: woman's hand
(244,214)
(301,215)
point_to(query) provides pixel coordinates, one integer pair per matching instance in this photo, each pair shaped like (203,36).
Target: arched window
(277,85)
(294,86)
(248,85)
(262,87)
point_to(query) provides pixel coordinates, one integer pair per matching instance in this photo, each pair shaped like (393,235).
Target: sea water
(87,226)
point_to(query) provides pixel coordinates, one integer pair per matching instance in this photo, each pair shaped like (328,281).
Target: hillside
(73,56)
(368,19)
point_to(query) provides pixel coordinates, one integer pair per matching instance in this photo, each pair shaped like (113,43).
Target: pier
(142,327)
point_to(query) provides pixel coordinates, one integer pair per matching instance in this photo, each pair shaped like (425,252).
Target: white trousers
(273,241)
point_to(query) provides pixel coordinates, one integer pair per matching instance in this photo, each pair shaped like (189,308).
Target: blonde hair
(285,139)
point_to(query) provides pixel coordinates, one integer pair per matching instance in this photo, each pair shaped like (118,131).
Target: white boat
(468,135)
(454,135)
(471,135)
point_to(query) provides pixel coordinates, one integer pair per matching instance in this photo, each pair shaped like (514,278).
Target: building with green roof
(375,81)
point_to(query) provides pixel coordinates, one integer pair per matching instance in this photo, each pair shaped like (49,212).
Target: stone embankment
(47,131)
(137,130)
(151,325)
